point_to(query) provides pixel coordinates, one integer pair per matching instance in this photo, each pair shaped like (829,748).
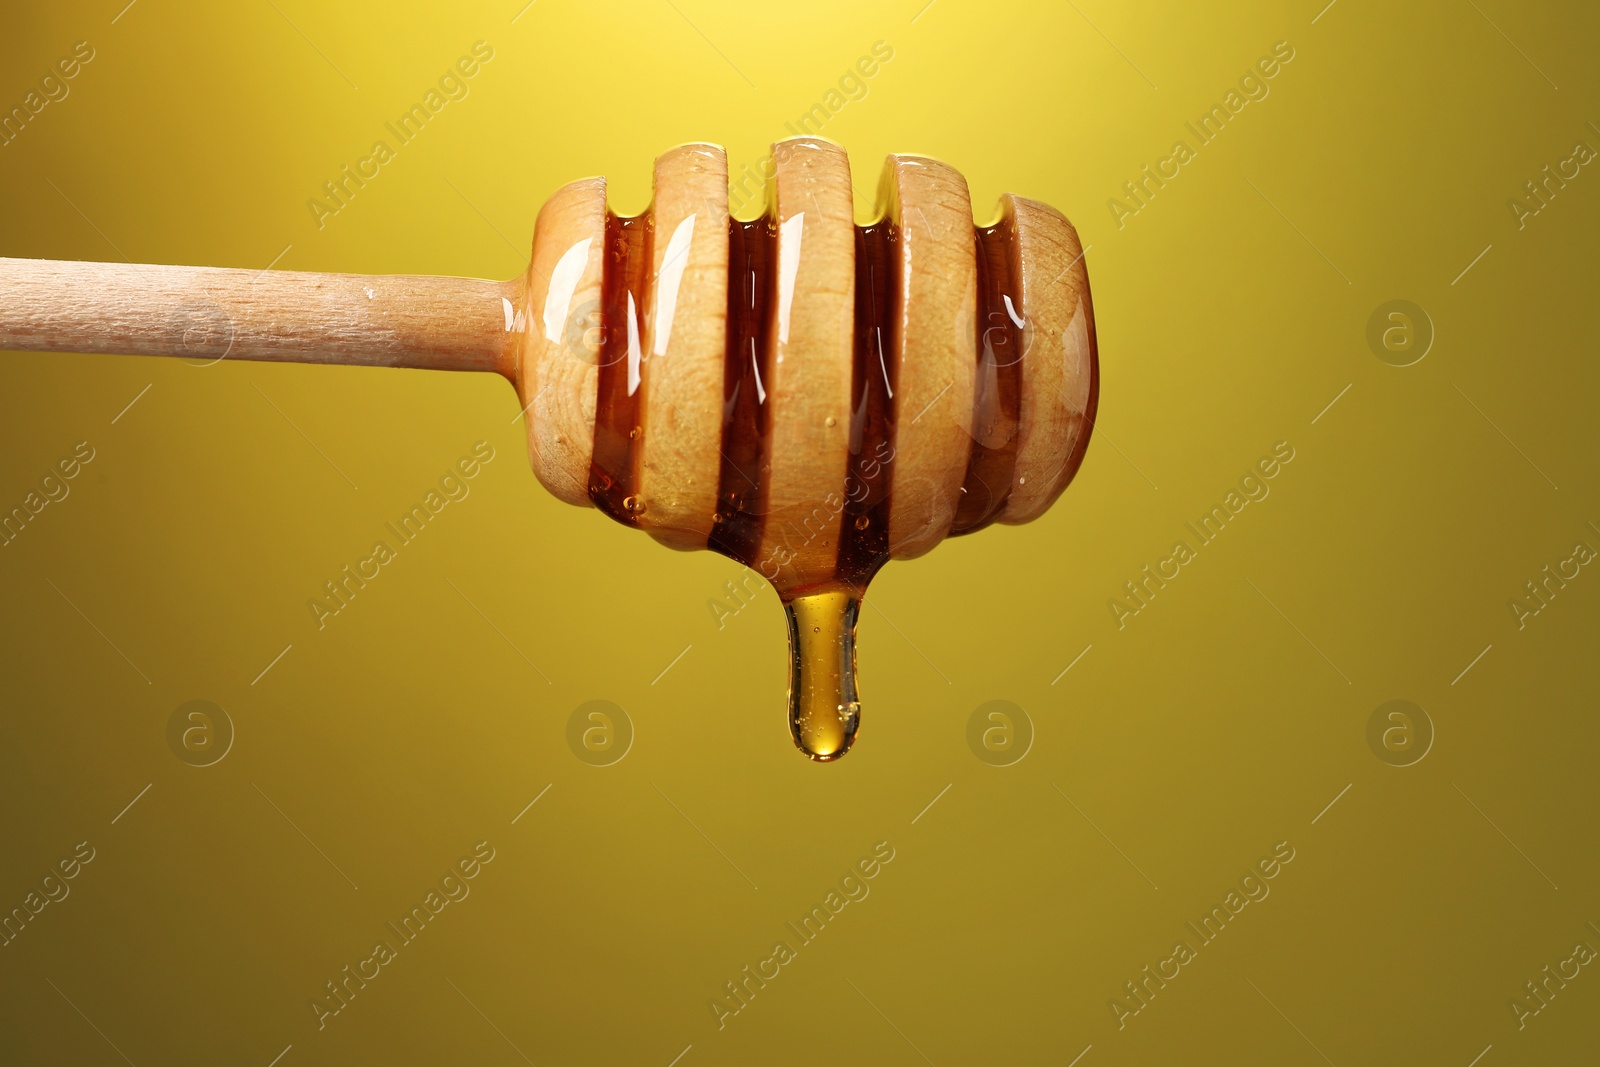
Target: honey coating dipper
(805,395)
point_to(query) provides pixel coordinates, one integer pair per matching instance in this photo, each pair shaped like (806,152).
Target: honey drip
(752,279)
(996,387)
(824,710)
(613,470)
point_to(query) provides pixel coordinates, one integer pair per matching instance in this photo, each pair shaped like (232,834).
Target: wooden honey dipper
(806,396)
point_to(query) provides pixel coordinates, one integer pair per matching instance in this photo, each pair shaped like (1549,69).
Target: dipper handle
(282,316)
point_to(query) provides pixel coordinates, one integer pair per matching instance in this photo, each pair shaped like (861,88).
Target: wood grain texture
(935,348)
(1060,379)
(558,361)
(809,394)
(685,341)
(281,316)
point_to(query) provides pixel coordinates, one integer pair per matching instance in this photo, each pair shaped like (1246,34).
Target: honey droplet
(824,712)
(633,504)
(862,521)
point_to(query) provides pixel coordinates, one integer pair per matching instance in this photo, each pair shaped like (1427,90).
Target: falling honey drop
(823,710)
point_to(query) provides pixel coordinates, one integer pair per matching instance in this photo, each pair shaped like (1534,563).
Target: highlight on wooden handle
(218,313)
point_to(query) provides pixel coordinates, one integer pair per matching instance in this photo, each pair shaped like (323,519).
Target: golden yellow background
(1176,752)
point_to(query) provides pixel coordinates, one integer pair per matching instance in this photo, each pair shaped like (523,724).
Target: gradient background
(1173,754)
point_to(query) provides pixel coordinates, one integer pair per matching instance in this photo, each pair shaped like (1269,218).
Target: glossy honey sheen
(824,712)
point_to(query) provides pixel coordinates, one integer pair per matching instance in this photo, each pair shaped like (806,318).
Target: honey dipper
(804,395)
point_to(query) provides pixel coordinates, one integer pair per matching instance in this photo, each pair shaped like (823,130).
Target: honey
(824,710)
